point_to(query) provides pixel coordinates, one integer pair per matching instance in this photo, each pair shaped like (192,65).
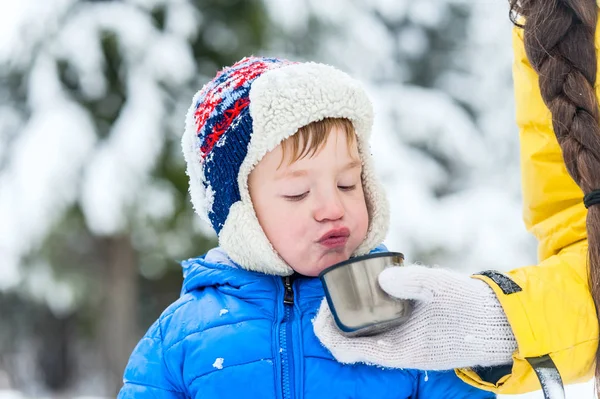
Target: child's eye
(295,197)
(347,188)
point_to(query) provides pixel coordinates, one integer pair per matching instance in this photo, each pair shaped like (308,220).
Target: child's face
(313,211)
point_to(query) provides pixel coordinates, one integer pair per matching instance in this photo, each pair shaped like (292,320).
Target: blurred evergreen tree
(121,280)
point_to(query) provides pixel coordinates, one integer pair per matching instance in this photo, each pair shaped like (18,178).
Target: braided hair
(559,38)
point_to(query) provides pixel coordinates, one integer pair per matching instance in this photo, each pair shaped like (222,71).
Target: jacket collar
(215,268)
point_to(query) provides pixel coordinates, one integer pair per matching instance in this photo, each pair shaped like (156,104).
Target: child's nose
(329,207)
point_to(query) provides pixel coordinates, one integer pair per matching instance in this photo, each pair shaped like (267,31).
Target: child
(279,164)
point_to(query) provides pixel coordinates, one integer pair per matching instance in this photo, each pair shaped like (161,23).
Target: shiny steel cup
(359,306)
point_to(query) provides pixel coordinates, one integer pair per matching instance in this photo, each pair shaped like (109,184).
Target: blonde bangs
(311,138)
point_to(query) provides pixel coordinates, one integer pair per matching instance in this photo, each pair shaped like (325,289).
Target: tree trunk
(55,357)
(120,309)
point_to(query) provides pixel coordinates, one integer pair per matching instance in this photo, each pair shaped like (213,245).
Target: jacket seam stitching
(572,346)
(224,368)
(558,227)
(210,328)
(142,384)
(172,312)
(161,341)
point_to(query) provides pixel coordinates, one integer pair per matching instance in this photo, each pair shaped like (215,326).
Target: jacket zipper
(285,337)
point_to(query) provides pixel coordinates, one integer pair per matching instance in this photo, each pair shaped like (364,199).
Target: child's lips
(335,238)
(334,242)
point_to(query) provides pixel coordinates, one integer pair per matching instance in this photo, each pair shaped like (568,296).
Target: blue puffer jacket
(230,335)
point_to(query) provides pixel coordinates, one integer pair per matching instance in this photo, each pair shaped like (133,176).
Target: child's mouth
(335,238)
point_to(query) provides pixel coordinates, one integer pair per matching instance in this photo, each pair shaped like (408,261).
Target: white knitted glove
(457,322)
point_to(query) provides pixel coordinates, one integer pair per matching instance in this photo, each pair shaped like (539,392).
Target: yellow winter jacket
(553,314)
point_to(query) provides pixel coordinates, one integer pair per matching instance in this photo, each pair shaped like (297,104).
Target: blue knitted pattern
(224,127)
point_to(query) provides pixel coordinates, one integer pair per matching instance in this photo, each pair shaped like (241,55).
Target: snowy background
(94,213)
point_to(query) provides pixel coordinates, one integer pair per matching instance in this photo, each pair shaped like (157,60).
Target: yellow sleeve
(553,314)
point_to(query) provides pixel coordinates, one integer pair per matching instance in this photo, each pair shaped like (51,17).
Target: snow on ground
(576,391)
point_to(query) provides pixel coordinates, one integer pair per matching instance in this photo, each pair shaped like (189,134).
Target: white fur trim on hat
(282,101)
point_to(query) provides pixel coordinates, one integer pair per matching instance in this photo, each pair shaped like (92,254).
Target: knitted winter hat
(247,110)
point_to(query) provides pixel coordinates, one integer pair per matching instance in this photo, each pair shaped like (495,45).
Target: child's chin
(324,261)
(333,258)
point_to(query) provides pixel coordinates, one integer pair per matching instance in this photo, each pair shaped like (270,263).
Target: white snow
(428,13)
(548,379)
(56,158)
(20,27)
(218,364)
(460,208)
(575,391)
(43,286)
(36,184)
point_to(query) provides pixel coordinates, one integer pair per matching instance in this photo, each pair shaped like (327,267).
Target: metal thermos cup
(359,306)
